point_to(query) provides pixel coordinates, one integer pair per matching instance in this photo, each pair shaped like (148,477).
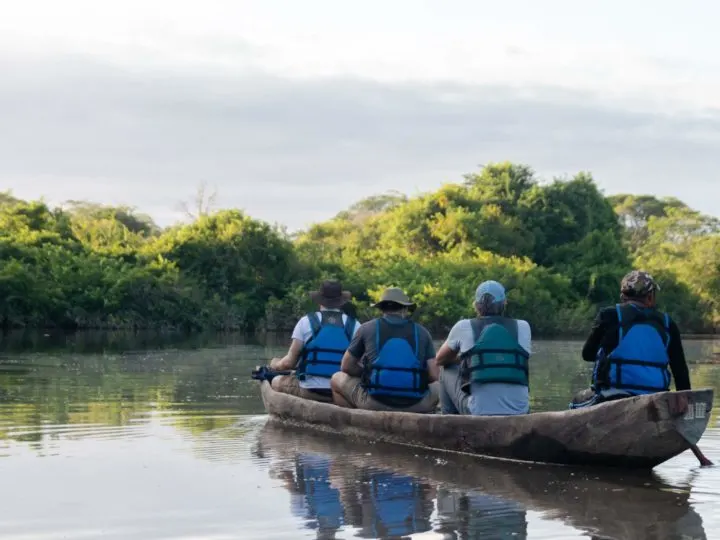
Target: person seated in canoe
(633,344)
(390,363)
(484,361)
(319,341)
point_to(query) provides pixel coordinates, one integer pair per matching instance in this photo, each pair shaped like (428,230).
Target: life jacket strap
(420,380)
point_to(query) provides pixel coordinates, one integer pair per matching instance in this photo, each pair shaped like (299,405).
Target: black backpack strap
(479,324)
(349,327)
(476,329)
(629,315)
(315,324)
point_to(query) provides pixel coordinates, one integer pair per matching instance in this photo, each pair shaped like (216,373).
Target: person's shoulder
(671,324)
(462,324)
(303,328)
(367,325)
(523,324)
(346,317)
(608,313)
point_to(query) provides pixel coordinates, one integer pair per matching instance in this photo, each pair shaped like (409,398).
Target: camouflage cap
(638,283)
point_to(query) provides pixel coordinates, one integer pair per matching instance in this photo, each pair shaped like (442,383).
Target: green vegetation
(560,248)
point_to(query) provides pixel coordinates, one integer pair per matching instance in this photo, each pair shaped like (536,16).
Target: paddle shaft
(704,462)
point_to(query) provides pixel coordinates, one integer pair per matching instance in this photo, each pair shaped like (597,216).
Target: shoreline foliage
(559,247)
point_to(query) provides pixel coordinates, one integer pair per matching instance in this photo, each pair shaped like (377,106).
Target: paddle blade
(704,462)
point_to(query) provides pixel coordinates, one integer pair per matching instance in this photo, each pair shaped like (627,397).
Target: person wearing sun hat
(319,341)
(389,365)
(484,361)
(635,347)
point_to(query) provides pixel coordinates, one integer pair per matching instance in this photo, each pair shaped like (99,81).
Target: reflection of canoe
(639,432)
(616,506)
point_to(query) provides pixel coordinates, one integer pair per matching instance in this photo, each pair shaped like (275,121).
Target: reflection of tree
(56,385)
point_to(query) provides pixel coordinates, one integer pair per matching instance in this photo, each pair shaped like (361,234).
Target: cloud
(299,150)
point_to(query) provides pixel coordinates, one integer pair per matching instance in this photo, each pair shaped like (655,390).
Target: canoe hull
(633,433)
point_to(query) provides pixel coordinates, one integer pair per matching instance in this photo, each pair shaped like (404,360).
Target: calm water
(116,436)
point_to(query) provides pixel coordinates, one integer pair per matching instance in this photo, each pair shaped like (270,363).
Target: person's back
(395,369)
(497,366)
(326,335)
(319,341)
(390,363)
(636,348)
(484,360)
(639,362)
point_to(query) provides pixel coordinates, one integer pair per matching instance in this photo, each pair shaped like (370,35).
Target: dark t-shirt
(604,334)
(364,347)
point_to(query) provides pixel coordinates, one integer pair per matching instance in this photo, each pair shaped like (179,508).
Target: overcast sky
(295,109)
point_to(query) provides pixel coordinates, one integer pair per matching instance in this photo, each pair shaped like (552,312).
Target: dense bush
(560,249)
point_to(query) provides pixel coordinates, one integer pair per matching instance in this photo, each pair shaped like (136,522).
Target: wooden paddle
(704,462)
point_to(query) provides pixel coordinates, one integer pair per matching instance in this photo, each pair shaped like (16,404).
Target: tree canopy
(559,247)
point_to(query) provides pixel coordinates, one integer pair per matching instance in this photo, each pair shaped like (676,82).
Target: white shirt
(303,332)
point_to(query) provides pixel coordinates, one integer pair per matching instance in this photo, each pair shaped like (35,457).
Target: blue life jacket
(397,371)
(497,356)
(322,353)
(398,506)
(639,363)
(324,507)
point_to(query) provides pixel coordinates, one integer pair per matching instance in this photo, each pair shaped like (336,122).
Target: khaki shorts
(351,389)
(289,384)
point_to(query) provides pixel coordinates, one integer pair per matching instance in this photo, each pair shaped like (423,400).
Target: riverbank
(96,341)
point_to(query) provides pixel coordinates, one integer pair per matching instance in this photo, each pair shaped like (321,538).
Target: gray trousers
(453,400)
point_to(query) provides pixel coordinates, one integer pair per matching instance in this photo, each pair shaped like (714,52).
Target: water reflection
(329,492)
(473,514)
(108,432)
(383,491)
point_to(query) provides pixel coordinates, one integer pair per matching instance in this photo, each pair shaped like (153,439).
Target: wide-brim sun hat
(331,294)
(395,295)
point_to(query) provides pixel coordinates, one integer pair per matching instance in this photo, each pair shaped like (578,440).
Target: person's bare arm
(433,370)
(446,356)
(290,360)
(350,365)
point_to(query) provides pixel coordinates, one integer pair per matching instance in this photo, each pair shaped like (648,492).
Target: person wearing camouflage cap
(636,348)
(637,284)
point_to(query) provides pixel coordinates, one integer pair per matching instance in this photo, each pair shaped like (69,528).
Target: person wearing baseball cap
(484,361)
(319,341)
(636,348)
(390,364)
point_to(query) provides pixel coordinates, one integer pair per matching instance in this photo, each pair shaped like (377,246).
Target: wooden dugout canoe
(632,433)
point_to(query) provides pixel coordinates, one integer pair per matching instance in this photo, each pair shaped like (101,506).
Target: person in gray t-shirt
(458,395)
(389,365)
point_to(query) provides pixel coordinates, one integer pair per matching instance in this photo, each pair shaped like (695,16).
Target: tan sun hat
(396,296)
